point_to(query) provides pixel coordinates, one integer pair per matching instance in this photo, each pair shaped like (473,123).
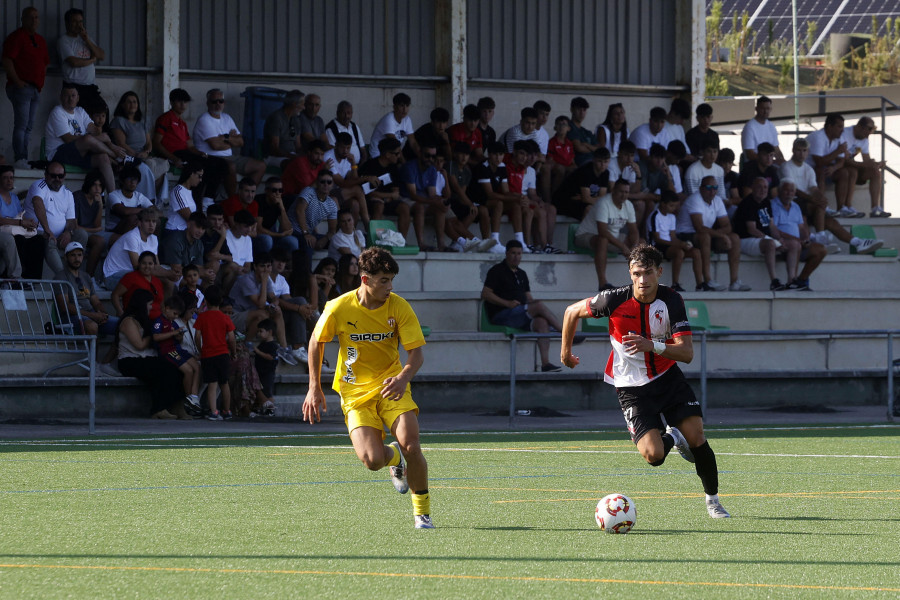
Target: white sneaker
(526,249)
(486,245)
(287,356)
(879,213)
(472,245)
(497,248)
(716,510)
(739,286)
(866,246)
(423,522)
(22,164)
(398,473)
(300,354)
(683,449)
(830,212)
(716,285)
(850,213)
(456,247)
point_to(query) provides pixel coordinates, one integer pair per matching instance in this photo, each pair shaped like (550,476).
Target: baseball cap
(73,246)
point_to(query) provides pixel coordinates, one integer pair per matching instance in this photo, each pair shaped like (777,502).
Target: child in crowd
(186,321)
(660,232)
(215,338)
(190,281)
(560,158)
(266,361)
(725,159)
(167,336)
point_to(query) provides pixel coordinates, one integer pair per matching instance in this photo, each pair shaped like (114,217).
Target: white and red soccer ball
(616,513)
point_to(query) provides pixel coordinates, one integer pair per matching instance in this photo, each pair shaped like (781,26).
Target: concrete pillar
(163,25)
(690,60)
(450,55)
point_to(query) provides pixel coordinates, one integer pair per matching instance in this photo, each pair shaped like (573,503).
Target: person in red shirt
(245,199)
(469,133)
(301,172)
(25,60)
(140,279)
(215,338)
(560,159)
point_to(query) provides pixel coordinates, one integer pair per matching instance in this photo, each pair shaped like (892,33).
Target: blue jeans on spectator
(25,105)
(264,243)
(513,317)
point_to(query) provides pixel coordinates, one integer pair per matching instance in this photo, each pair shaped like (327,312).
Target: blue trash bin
(259,103)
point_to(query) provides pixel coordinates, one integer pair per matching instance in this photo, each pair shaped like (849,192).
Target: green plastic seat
(698,316)
(426,330)
(487,326)
(381,225)
(594,325)
(866,232)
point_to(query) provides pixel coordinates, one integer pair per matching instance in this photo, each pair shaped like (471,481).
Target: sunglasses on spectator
(56,175)
(710,187)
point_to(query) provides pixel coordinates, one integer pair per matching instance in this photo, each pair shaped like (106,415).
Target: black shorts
(216,369)
(662,247)
(669,395)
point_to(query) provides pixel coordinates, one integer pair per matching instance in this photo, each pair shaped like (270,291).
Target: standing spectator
(703,221)
(760,129)
(265,361)
(78,56)
(788,218)
(610,221)
(94,318)
(395,124)
(89,217)
(273,226)
(73,139)
(698,136)
(614,129)
(128,130)
(138,358)
(348,239)
(486,107)
(52,205)
(580,190)
(312,127)
(584,141)
(126,251)
(857,140)
(167,337)
(827,152)
(25,60)
(22,250)
(343,123)
(652,132)
(508,302)
(216,134)
(281,134)
(215,338)
(141,278)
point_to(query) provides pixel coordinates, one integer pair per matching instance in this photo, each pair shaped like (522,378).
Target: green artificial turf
(815,514)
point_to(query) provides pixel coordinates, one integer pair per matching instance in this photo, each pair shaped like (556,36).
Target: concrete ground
(431,422)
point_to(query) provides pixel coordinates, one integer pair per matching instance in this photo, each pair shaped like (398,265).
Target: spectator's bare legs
(550,220)
(814,256)
(832,225)
(843,187)
(255,169)
(540,325)
(696,264)
(702,241)
(439,213)
(767,247)
(212,390)
(375,206)
(600,245)
(495,209)
(403,218)
(96,245)
(676,256)
(791,257)
(731,245)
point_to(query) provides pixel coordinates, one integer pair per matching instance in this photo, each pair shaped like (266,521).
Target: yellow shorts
(378,413)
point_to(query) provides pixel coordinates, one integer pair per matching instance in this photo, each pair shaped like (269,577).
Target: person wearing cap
(94,318)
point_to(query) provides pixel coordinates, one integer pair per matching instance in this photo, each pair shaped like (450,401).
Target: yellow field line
(458,577)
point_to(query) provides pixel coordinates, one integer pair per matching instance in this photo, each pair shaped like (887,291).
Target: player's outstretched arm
(575,312)
(314,404)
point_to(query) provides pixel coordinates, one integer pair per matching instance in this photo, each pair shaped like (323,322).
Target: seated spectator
(580,190)
(657,178)
(610,221)
(661,233)
(537,218)
(463,212)
(124,204)
(302,171)
(324,275)
(623,166)
(827,155)
(94,319)
(245,199)
(526,129)
(142,278)
(703,221)
(138,358)
(281,133)
(348,239)
(418,179)
(583,140)
(255,300)
(295,310)
(706,167)
(560,161)
(52,206)
(239,241)
(432,134)
(167,337)
(73,139)
(22,247)
(185,248)
(129,131)
(395,124)
(758,130)
(273,226)
(731,179)
(652,132)
(468,132)
(219,261)
(679,114)
(675,154)
(125,252)
(314,205)
(348,183)
(216,134)
(348,277)
(382,185)
(312,127)
(89,217)
(486,107)
(490,187)
(543,138)
(788,218)
(509,303)
(702,134)
(181,199)
(614,129)
(809,196)
(759,235)
(865,170)
(762,166)
(343,123)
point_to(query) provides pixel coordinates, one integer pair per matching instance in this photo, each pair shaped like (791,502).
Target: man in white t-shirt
(124,253)
(73,139)
(78,55)
(705,167)
(395,124)
(760,129)
(348,183)
(608,224)
(343,123)
(124,204)
(826,156)
(216,134)
(652,132)
(703,221)
(679,114)
(867,169)
(52,205)
(239,241)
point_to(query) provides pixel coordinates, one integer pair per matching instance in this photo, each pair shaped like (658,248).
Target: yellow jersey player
(370,323)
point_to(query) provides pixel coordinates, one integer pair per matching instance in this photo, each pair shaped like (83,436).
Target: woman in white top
(181,200)
(612,131)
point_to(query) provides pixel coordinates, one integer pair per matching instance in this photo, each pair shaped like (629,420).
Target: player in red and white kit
(650,333)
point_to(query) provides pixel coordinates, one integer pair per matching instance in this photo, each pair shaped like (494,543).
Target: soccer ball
(616,513)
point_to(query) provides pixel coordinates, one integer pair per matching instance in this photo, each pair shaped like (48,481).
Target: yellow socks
(421,503)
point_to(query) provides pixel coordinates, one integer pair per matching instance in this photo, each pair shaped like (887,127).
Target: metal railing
(707,336)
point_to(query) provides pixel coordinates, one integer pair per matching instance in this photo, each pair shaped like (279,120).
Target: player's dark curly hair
(646,256)
(376,260)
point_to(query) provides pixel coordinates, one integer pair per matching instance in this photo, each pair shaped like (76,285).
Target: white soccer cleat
(398,473)
(716,510)
(423,522)
(683,449)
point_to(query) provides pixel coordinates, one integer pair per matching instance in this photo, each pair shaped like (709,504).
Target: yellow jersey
(369,341)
